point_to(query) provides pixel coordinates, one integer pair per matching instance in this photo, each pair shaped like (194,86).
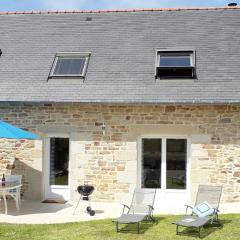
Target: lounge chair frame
(211,194)
(128,211)
(213,202)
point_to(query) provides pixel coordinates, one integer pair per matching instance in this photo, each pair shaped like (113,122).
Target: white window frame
(46,167)
(70,55)
(163,167)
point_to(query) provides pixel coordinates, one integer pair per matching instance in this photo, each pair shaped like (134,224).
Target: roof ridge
(117,10)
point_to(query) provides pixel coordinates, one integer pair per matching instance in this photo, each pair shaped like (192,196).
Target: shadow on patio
(35,212)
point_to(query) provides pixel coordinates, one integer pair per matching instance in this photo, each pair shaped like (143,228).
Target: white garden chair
(16,192)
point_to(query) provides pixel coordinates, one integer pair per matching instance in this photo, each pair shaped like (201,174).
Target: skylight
(175,64)
(70,65)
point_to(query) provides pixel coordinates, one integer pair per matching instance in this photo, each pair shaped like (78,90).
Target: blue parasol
(9,131)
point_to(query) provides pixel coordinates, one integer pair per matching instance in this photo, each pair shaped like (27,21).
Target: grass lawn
(105,229)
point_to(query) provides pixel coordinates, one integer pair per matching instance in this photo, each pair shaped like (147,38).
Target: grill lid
(85,190)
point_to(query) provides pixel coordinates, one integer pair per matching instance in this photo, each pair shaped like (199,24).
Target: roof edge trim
(217,102)
(116,10)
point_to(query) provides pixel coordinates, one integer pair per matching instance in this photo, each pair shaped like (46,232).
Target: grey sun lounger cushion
(130,218)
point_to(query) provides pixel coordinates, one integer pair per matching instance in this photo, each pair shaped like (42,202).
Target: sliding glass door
(164,163)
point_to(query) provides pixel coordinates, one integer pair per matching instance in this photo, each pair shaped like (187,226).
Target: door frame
(46,154)
(163,168)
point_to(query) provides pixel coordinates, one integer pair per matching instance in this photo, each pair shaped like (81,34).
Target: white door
(164,165)
(56,168)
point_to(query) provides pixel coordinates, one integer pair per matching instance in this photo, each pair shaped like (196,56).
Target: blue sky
(20,5)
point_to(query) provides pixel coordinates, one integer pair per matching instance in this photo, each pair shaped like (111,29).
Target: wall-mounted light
(103,128)
(102,125)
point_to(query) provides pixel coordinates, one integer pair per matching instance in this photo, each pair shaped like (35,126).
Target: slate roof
(122,64)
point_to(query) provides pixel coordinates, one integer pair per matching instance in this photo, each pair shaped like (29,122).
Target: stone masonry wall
(20,157)
(109,161)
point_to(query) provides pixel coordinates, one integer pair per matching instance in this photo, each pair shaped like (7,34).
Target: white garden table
(12,189)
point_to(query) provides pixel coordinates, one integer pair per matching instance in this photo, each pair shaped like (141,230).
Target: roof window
(72,64)
(175,64)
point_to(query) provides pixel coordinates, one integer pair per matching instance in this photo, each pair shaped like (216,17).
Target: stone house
(147,98)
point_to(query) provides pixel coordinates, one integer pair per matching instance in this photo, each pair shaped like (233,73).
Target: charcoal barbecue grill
(85,191)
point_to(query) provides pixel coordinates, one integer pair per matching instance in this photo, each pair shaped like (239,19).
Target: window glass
(176,163)
(175,61)
(68,66)
(59,160)
(151,163)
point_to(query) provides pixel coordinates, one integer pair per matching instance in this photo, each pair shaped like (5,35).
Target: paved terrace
(33,212)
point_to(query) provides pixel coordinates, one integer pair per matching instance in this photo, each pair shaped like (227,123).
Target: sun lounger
(205,210)
(141,208)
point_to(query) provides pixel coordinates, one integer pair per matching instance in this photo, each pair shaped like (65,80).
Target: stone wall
(23,157)
(109,161)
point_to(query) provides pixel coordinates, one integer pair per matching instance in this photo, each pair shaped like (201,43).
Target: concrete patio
(35,212)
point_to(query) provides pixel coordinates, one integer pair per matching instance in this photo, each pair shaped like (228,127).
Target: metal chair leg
(117,226)
(17,201)
(19,196)
(5,204)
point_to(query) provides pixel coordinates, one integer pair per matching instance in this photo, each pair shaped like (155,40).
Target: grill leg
(89,204)
(77,206)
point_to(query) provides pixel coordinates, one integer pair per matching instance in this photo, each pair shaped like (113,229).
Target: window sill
(170,190)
